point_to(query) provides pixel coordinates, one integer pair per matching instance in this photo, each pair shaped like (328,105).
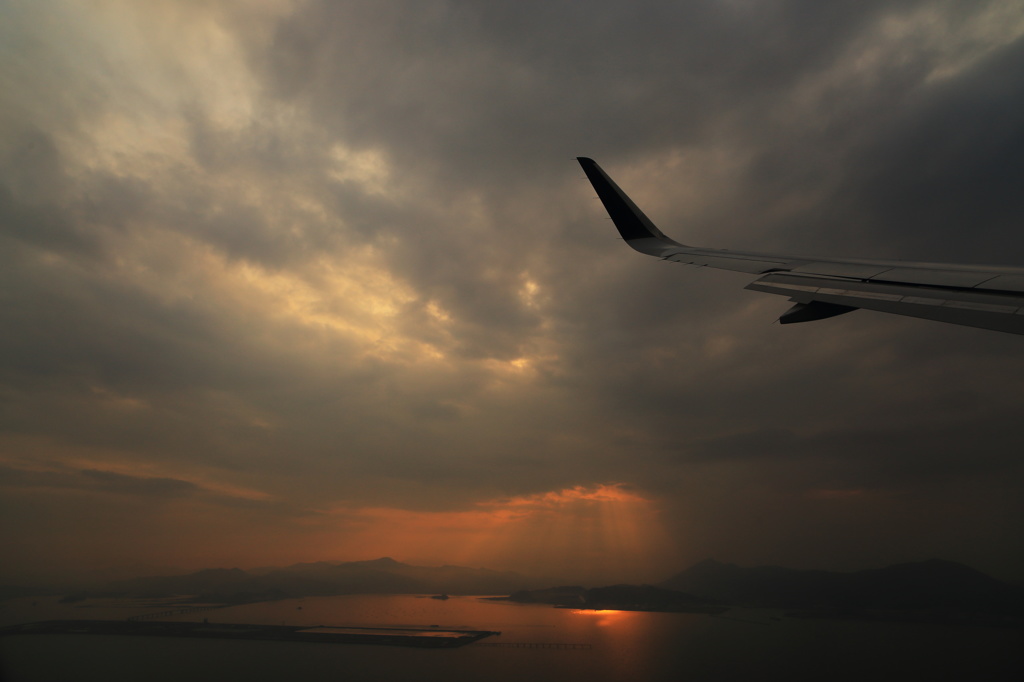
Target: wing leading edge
(973,295)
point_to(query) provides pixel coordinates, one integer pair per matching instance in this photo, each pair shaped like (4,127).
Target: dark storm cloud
(342,253)
(98,481)
(557,80)
(135,485)
(943,177)
(496,87)
(882,458)
(31,177)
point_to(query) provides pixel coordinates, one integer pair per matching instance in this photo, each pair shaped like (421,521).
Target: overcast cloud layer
(289,281)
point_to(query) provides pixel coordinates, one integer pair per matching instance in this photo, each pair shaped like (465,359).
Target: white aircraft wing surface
(983,296)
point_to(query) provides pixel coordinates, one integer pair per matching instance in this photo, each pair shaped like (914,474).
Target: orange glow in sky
(599,532)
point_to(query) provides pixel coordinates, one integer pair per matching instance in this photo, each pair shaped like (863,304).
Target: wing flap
(971,307)
(847,270)
(934,277)
(1004,283)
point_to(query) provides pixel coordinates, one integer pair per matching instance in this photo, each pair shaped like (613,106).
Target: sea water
(741,644)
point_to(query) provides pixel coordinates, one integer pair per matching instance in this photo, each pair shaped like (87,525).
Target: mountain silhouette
(619,597)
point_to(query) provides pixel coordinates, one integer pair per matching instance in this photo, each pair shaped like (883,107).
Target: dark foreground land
(414,637)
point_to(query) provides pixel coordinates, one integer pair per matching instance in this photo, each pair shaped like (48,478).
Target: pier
(320,634)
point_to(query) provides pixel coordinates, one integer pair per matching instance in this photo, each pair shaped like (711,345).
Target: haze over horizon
(297,280)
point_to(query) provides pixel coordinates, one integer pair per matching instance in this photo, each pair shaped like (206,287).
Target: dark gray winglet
(631,222)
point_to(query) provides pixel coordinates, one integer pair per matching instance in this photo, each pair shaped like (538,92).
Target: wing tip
(633,225)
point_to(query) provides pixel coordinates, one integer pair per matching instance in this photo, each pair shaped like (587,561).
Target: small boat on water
(439,596)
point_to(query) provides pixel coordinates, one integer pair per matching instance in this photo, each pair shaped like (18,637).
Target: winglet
(631,222)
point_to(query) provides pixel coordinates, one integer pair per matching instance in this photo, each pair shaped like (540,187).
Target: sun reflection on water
(607,617)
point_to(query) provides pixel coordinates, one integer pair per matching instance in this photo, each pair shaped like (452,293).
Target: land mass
(927,591)
(933,590)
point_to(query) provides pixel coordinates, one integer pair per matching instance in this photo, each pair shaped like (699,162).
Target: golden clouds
(559,498)
(367,168)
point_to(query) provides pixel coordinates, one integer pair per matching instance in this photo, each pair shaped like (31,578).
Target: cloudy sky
(299,280)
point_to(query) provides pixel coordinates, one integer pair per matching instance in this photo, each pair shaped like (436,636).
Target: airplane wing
(983,296)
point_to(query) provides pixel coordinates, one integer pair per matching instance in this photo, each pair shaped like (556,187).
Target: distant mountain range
(380,576)
(934,589)
(927,585)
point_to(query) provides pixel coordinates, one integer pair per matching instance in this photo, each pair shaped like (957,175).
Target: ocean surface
(741,644)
